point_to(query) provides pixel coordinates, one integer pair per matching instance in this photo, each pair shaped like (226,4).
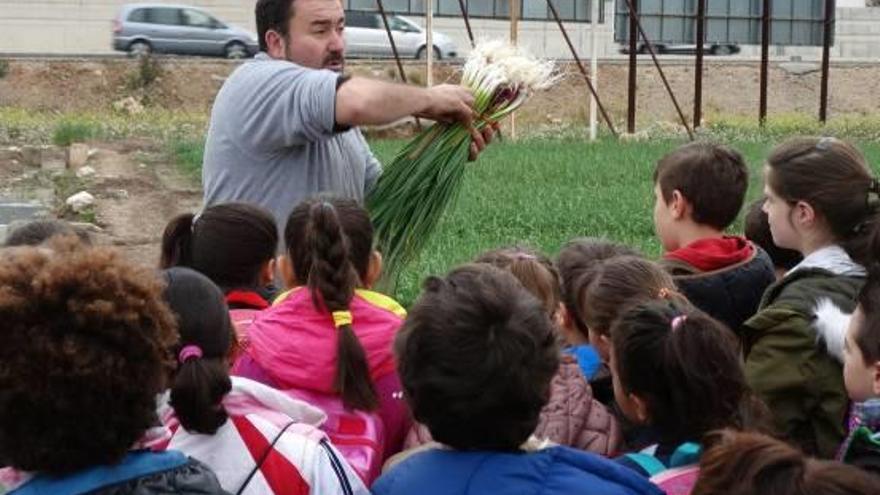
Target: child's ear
(641,409)
(678,205)
(267,272)
(804,213)
(374,269)
(285,266)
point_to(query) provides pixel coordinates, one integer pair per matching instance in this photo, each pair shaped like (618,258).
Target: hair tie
(189,352)
(677,322)
(341,318)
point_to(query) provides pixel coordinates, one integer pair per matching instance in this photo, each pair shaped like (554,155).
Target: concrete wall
(84,27)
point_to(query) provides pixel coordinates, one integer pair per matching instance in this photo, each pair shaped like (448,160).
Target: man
(283,127)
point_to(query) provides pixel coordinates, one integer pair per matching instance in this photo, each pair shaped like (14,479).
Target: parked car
(140,29)
(365,36)
(664,49)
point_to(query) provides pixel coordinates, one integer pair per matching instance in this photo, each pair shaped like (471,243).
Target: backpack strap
(263,458)
(338,468)
(650,464)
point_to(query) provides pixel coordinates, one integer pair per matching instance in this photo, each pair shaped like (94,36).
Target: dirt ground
(136,193)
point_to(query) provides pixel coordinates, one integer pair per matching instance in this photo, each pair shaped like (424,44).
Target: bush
(146,73)
(74,131)
(4,68)
(188,154)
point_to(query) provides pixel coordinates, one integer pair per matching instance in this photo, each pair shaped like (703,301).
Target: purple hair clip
(189,352)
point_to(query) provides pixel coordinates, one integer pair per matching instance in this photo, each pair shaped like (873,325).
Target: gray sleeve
(373,167)
(289,106)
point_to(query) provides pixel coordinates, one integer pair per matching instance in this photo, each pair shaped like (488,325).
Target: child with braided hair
(329,335)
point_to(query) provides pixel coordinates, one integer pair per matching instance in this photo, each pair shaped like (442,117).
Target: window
(398,24)
(357,19)
(194,18)
(138,15)
(164,15)
(533,10)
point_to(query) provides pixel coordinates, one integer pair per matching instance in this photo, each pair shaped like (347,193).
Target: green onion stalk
(425,177)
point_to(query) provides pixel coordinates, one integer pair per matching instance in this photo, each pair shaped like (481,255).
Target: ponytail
(332,280)
(175,250)
(201,378)
(197,391)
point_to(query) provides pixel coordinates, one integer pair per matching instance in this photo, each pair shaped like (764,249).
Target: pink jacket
(571,418)
(292,345)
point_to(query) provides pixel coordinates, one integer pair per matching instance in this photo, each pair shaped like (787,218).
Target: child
(39,231)
(228,423)
(754,464)
(233,244)
(83,357)
(572,417)
(576,258)
(757,230)
(699,190)
(609,287)
(861,375)
(819,202)
(483,400)
(329,334)
(677,370)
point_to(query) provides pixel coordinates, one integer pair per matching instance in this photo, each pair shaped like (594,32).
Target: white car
(365,36)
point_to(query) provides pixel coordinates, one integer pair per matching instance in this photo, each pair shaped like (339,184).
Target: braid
(332,280)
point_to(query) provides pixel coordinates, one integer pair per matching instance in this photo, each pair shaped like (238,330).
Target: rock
(799,68)
(77,155)
(87,227)
(118,194)
(129,105)
(85,171)
(54,165)
(32,156)
(93,152)
(80,201)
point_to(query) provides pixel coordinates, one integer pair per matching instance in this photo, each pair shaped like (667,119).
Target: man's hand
(481,139)
(449,103)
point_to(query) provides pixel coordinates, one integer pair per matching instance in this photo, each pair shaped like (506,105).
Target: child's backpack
(359,436)
(681,473)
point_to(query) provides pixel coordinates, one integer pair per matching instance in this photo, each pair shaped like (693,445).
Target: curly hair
(476,356)
(83,356)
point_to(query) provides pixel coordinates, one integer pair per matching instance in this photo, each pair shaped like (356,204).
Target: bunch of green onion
(413,192)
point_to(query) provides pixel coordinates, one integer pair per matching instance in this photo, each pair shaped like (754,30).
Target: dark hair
(608,288)
(476,356)
(576,258)
(534,270)
(229,243)
(712,177)
(84,354)
(833,177)
(272,15)
(39,231)
(199,384)
(757,230)
(685,366)
(329,241)
(754,464)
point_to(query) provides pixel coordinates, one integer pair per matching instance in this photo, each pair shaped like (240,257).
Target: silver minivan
(140,29)
(365,36)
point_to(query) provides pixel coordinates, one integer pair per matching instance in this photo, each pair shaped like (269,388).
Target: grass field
(542,193)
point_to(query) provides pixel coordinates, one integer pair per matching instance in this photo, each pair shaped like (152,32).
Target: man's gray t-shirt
(271,141)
